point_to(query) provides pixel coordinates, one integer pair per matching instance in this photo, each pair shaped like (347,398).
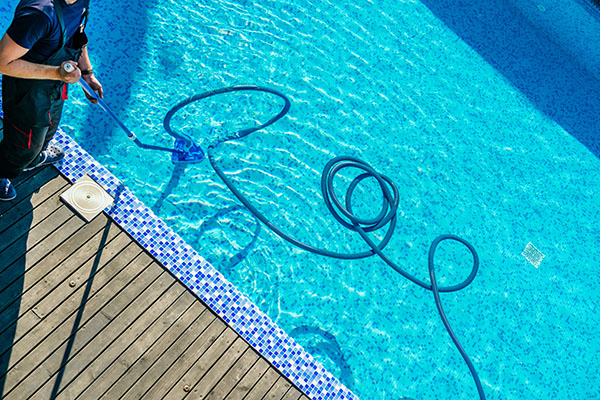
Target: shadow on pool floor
(557,85)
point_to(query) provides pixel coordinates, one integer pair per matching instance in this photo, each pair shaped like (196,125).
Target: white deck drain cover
(533,255)
(87,198)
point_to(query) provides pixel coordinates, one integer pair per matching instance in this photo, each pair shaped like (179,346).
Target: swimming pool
(474,129)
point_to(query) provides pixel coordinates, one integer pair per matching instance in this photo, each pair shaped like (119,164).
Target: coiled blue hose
(343,213)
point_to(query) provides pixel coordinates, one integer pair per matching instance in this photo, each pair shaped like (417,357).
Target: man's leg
(54,121)
(27,129)
(19,147)
(49,154)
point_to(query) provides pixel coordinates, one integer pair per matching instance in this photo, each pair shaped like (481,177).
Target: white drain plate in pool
(533,255)
(87,198)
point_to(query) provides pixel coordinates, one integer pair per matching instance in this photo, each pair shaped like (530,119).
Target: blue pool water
(487,123)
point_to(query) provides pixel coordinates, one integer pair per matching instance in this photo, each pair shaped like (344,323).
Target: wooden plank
(278,390)
(210,346)
(119,249)
(26,175)
(186,347)
(249,380)
(24,207)
(148,347)
(47,225)
(292,394)
(196,317)
(18,228)
(14,255)
(106,369)
(58,327)
(175,378)
(28,184)
(263,385)
(22,275)
(64,241)
(73,338)
(209,369)
(234,375)
(32,305)
(54,244)
(122,329)
(36,296)
(68,239)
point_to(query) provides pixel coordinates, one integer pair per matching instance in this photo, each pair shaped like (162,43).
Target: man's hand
(69,77)
(96,87)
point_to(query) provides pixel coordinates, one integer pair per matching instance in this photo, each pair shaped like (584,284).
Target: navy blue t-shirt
(36,27)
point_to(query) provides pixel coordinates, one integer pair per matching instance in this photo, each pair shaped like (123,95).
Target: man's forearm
(12,64)
(84,62)
(28,70)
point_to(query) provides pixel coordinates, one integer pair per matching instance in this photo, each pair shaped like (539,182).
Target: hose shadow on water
(178,171)
(318,341)
(225,266)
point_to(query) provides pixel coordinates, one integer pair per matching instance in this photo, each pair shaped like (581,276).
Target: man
(43,37)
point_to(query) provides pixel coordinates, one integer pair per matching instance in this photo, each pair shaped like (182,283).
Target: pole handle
(68,67)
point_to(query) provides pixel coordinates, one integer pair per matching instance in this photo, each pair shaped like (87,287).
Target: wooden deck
(86,313)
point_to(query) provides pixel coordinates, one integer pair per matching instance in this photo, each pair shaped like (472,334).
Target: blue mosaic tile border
(203,279)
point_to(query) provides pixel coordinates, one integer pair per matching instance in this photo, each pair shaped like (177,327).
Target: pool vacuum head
(185,154)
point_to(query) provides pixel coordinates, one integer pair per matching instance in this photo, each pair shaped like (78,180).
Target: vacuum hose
(343,213)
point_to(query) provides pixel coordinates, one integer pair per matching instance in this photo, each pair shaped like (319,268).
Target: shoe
(51,155)
(7,190)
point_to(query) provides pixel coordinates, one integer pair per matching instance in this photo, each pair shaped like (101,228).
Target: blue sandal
(7,190)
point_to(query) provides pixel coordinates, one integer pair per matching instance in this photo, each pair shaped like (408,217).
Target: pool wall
(562,80)
(202,278)
(571,24)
